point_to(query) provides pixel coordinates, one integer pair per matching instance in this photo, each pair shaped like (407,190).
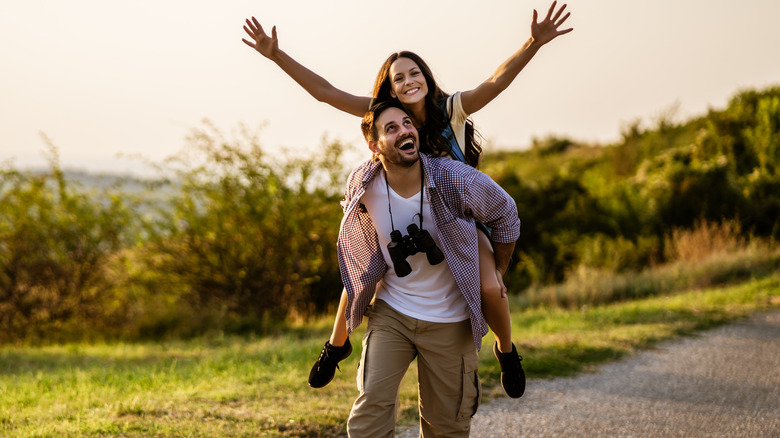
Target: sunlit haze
(102,78)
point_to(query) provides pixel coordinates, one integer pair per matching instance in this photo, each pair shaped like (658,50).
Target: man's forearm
(503,255)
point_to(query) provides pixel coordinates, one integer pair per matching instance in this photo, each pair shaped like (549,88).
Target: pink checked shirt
(458,195)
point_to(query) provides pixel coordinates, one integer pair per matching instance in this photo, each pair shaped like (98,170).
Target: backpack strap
(455,148)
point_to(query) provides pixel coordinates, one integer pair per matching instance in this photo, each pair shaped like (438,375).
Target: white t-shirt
(429,292)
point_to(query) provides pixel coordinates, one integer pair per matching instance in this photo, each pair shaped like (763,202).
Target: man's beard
(404,161)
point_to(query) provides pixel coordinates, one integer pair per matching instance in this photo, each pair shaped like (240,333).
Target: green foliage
(679,189)
(762,198)
(249,236)
(236,239)
(613,208)
(763,138)
(57,249)
(746,132)
(551,145)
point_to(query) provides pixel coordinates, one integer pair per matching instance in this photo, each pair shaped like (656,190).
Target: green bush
(57,248)
(248,237)
(614,208)
(762,196)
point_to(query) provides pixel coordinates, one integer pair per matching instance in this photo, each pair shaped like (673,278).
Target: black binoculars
(400,247)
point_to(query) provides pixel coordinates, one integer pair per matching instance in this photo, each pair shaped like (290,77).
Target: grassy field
(222,387)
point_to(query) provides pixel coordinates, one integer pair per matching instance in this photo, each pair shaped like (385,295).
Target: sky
(105,81)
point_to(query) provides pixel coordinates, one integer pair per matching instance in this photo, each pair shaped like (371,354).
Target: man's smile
(406,144)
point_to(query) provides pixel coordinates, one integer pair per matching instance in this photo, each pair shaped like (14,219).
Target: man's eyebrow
(389,124)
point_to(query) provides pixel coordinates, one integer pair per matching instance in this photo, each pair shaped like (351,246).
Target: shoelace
(325,356)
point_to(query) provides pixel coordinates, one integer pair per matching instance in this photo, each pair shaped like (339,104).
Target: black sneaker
(325,368)
(512,374)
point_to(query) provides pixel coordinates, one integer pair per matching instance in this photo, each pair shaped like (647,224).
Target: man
(408,242)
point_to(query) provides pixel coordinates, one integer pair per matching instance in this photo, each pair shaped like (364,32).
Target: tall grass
(708,255)
(706,239)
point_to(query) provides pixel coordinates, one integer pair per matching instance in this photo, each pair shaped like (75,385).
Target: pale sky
(102,78)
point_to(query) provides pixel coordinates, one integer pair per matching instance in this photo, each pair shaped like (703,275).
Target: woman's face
(407,82)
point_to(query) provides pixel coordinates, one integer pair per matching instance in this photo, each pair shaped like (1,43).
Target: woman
(443,125)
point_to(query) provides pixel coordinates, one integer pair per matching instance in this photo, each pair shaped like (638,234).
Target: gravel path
(720,383)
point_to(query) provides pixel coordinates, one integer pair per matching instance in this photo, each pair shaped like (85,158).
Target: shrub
(56,246)
(248,236)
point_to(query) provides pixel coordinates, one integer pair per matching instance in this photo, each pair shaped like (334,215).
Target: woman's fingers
(560,11)
(550,11)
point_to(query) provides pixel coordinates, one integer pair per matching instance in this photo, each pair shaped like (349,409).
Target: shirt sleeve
(458,115)
(492,205)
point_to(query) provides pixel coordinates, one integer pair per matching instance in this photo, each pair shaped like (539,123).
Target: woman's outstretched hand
(265,45)
(545,31)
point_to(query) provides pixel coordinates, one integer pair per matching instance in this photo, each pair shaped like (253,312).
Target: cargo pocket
(471,389)
(361,379)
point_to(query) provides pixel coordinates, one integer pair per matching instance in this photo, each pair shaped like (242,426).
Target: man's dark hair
(367,125)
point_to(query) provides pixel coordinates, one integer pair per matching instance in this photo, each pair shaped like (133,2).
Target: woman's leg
(495,305)
(339,335)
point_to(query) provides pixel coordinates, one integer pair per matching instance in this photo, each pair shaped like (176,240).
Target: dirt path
(723,383)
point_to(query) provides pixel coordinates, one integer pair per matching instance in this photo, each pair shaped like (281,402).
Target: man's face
(397,142)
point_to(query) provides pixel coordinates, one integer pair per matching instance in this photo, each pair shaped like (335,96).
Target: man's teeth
(408,143)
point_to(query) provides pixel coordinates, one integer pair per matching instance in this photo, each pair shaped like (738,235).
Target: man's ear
(372,145)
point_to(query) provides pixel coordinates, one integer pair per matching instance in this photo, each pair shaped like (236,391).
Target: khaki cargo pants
(449,387)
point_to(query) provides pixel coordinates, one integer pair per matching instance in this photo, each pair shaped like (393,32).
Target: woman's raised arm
(541,33)
(315,84)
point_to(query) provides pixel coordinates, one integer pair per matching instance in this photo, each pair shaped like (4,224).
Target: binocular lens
(400,247)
